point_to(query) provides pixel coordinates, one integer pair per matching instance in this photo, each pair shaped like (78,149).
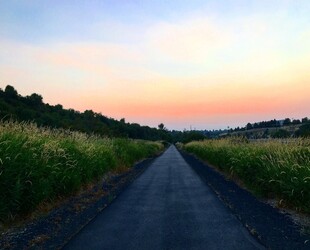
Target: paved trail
(167,207)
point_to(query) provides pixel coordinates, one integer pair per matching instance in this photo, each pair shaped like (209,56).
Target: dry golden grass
(40,164)
(272,168)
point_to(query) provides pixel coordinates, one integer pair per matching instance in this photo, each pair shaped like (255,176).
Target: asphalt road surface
(167,207)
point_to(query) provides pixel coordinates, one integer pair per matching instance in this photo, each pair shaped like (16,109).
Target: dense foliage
(32,108)
(272,168)
(40,164)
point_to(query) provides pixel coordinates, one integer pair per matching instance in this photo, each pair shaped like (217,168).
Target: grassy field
(41,164)
(272,168)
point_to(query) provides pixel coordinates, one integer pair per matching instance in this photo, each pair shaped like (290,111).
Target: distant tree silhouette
(296,122)
(161,126)
(10,91)
(192,135)
(249,126)
(35,99)
(286,122)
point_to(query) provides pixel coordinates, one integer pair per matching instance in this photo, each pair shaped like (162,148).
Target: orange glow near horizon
(203,67)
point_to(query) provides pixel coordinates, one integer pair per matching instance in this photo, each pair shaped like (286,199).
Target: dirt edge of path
(271,227)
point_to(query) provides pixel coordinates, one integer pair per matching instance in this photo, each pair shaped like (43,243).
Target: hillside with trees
(32,108)
(285,128)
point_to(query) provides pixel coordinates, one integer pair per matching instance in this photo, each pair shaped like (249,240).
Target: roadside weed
(38,164)
(272,168)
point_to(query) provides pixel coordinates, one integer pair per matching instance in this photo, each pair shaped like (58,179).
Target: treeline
(32,108)
(276,123)
(275,129)
(265,129)
(273,123)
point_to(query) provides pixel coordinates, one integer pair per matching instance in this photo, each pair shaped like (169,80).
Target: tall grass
(40,164)
(273,168)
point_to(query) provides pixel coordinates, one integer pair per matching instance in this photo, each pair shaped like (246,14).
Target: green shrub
(272,168)
(40,164)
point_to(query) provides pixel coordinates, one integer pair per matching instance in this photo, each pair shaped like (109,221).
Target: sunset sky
(208,64)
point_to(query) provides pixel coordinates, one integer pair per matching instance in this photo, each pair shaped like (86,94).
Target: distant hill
(32,108)
(272,129)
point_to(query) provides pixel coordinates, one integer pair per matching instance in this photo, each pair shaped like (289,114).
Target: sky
(203,64)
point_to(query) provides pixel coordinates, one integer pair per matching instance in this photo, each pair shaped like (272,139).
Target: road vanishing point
(167,207)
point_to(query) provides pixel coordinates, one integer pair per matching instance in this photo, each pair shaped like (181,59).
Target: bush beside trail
(39,164)
(271,168)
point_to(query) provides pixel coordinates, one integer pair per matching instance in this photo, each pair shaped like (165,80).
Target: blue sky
(44,21)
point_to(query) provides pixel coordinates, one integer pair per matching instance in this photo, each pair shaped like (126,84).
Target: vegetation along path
(167,207)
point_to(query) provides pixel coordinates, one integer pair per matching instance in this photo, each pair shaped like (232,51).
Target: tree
(249,126)
(304,130)
(10,91)
(192,136)
(35,99)
(161,126)
(59,107)
(287,122)
(256,125)
(89,114)
(296,122)
(281,133)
